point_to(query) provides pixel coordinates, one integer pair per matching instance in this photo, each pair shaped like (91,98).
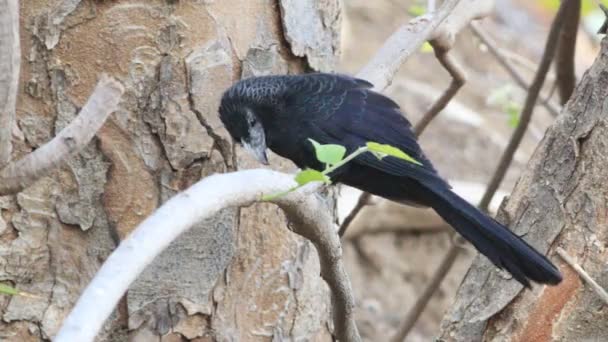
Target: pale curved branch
(104,100)
(10,60)
(306,213)
(400,45)
(463,13)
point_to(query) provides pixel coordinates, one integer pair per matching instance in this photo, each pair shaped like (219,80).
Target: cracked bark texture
(250,280)
(559,201)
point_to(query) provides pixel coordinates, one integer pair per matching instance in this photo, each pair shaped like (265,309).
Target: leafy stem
(332,156)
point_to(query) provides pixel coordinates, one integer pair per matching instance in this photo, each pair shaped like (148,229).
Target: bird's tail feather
(505,249)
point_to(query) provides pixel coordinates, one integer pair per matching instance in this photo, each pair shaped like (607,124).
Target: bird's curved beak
(258,151)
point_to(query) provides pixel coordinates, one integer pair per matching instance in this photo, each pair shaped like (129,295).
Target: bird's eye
(251,121)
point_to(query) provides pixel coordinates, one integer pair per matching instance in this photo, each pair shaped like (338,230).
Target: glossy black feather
(343,110)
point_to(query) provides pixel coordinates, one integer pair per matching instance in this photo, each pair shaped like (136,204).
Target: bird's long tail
(505,249)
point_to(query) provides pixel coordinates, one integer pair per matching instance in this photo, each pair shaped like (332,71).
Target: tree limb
(401,44)
(306,213)
(566,47)
(104,100)
(458,80)
(412,316)
(10,60)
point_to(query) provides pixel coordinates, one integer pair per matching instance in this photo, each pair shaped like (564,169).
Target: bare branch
(401,44)
(104,100)
(566,47)
(465,12)
(504,62)
(526,114)
(412,317)
(363,200)
(583,274)
(306,213)
(458,80)
(10,59)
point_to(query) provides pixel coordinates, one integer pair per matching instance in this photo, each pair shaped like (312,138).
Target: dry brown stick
(412,317)
(458,80)
(566,47)
(504,62)
(526,114)
(583,274)
(104,100)
(363,200)
(10,59)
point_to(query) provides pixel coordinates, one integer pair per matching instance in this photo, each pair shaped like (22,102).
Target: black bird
(283,112)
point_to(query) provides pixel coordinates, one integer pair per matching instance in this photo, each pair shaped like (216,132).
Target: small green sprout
(11,291)
(334,157)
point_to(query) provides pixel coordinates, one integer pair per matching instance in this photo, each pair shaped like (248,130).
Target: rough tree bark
(560,201)
(175,59)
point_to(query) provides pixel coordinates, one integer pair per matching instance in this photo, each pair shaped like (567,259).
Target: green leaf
(382,150)
(11,291)
(416,10)
(302,178)
(306,176)
(426,48)
(5,289)
(513,111)
(501,95)
(329,154)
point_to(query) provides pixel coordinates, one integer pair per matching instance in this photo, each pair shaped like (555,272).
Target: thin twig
(10,60)
(363,200)
(566,47)
(504,62)
(412,317)
(458,80)
(526,114)
(583,274)
(104,100)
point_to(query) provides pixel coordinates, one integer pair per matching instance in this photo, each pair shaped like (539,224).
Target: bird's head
(245,127)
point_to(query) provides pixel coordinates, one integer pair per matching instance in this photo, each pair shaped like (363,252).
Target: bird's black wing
(345,111)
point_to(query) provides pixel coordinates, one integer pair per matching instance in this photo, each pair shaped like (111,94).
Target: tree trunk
(560,201)
(239,276)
